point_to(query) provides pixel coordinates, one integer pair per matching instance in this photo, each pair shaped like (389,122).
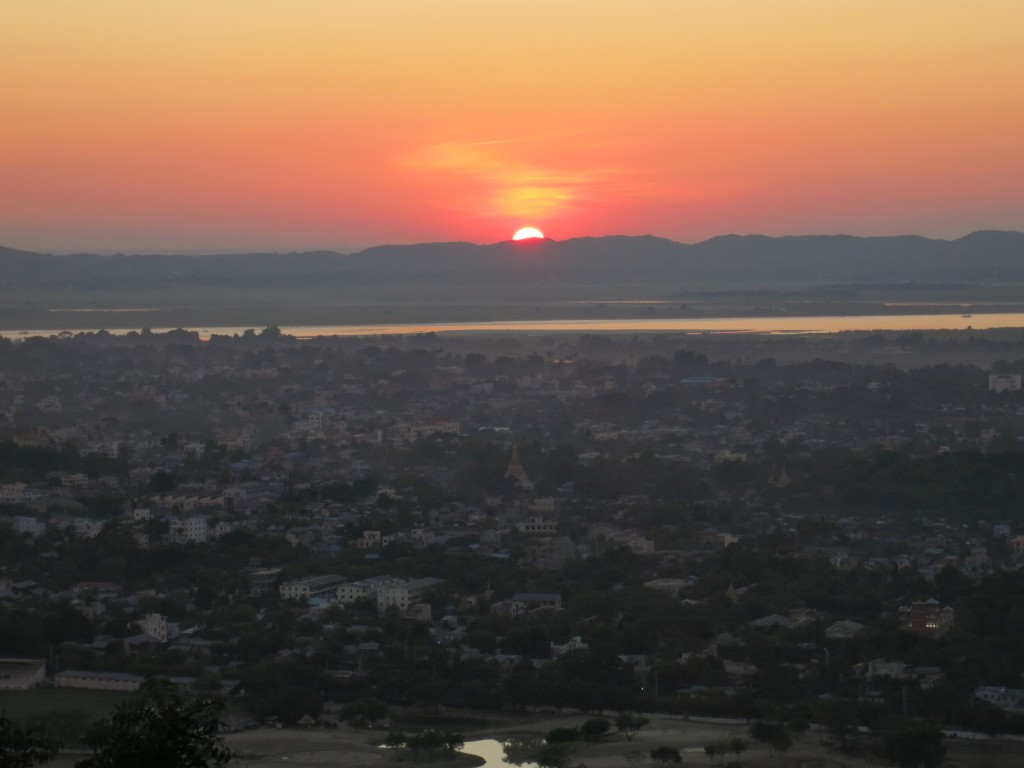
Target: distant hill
(741,261)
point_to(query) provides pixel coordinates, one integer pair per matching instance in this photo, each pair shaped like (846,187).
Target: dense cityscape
(331,531)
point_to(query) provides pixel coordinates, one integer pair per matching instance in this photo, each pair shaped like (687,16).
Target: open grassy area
(320,748)
(64,712)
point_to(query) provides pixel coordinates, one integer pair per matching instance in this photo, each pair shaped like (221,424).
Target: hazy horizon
(284,250)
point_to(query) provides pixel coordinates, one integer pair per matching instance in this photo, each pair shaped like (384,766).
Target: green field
(64,712)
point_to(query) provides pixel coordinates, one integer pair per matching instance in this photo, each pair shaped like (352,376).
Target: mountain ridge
(982,256)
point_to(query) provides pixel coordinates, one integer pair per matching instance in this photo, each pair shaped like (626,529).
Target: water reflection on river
(767,325)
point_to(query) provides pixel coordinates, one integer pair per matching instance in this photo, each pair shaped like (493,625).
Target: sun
(528,233)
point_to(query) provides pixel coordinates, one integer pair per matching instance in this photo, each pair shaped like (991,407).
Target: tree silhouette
(916,747)
(666,755)
(160,729)
(24,747)
(629,725)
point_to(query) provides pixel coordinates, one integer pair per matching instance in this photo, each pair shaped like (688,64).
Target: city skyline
(204,127)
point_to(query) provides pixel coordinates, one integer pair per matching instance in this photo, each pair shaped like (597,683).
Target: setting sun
(528,233)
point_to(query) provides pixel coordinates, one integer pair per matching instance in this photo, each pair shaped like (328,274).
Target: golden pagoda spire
(515,468)
(782,480)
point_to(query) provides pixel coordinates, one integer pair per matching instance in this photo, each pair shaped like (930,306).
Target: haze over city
(201,127)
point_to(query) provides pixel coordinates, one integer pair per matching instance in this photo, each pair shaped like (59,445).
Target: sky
(218,125)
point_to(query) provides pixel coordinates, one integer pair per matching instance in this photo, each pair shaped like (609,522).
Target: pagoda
(516,471)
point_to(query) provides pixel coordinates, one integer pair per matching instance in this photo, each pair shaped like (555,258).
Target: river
(696,325)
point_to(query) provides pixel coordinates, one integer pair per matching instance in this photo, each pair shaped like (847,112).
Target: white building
(365,589)
(313,586)
(319,421)
(21,674)
(408,433)
(404,594)
(155,625)
(1004,382)
(12,493)
(538,526)
(191,530)
(636,544)
(74,480)
(86,528)
(895,668)
(33,526)
(547,505)
(672,586)
(98,681)
(1010,699)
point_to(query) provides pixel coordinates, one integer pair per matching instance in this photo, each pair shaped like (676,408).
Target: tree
(521,748)
(395,741)
(722,748)
(553,755)
(369,709)
(737,746)
(159,729)
(916,747)
(666,755)
(432,739)
(774,735)
(595,728)
(453,742)
(780,741)
(993,721)
(629,724)
(562,735)
(23,747)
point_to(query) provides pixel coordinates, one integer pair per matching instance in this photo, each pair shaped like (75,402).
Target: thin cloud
(497,183)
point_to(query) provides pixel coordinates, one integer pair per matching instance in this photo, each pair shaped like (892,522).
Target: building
(408,433)
(365,589)
(727,457)
(547,505)
(538,526)
(319,421)
(895,668)
(1009,699)
(575,643)
(1017,547)
(369,540)
(155,625)
(516,471)
(532,600)
(98,681)
(12,493)
(671,586)
(262,580)
(33,526)
(313,586)
(843,630)
(1004,382)
(21,674)
(926,618)
(87,528)
(404,594)
(638,545)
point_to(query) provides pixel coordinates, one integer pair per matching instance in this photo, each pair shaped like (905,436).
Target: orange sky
(231,124)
